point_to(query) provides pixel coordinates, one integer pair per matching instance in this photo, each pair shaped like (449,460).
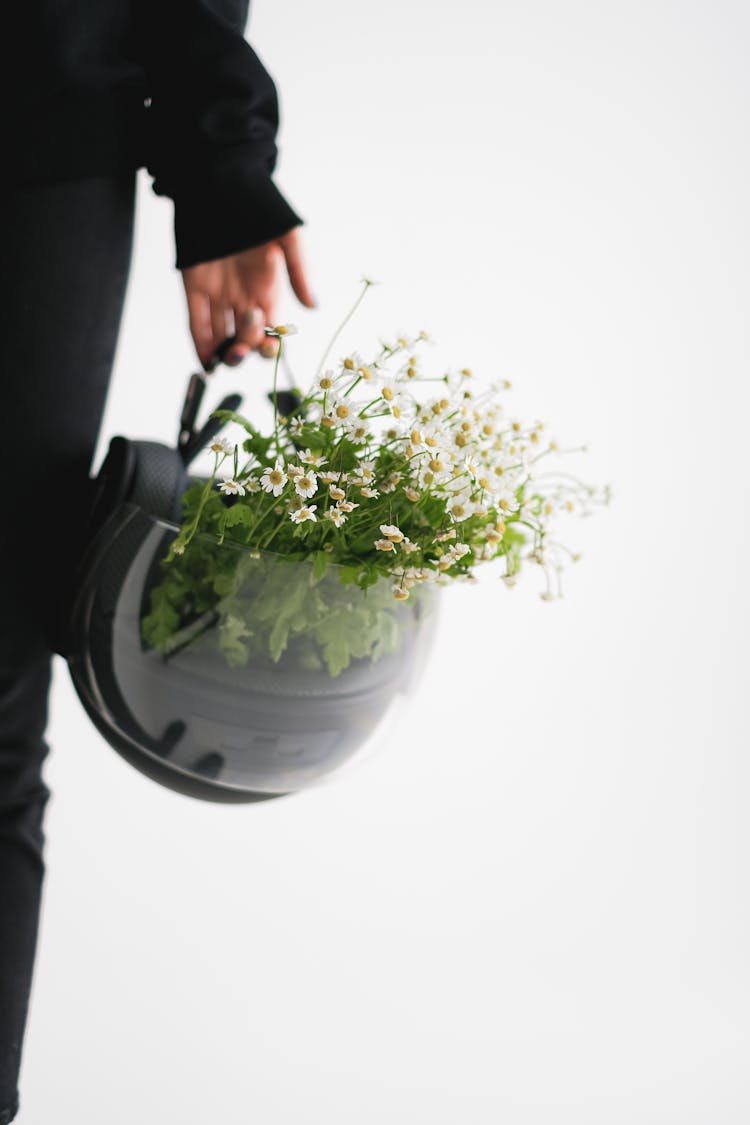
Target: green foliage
(411,490)
(265,608)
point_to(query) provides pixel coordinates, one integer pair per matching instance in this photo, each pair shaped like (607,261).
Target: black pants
(65,255)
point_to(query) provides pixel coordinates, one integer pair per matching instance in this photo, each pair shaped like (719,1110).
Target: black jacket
(92,87)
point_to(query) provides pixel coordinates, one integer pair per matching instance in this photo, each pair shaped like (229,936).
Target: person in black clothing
(87,98)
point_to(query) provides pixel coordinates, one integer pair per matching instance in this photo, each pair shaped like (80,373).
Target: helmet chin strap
(190,442)
(197,441)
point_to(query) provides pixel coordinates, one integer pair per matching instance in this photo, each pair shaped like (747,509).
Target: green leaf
(321,560)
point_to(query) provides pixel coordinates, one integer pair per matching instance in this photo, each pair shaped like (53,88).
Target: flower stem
(275,402)
(342,326)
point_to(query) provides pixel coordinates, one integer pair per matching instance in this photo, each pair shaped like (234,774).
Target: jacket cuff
(223,214)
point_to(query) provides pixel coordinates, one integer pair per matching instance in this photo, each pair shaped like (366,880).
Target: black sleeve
(211,127)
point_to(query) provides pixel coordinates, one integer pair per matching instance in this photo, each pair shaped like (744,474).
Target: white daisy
(307,484)
(326,381)
(366,470)
(352,362)
(274,479)
(232,487)
(336,516)
(460,508)
(346,505)
(389,390)
(385,545)
(303,514)
(472,466)
(505,497)
(357,430)
(221,445)
(392,532)
(310,458)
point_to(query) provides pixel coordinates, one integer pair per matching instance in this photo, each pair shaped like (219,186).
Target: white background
(532,904)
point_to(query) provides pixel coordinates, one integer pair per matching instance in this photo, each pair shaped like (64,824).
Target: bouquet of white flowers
(383,476)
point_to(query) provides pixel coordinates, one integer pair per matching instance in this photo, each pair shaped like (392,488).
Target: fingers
(239,295)
(221,329)
(199,313)
(291,244)
(249,328)
(269,347)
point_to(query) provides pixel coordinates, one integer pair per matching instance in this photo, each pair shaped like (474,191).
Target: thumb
(291,244)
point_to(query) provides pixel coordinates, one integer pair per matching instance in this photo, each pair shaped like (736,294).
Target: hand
(239,295)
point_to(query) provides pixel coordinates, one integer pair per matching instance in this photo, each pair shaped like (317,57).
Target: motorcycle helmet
(197,717)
